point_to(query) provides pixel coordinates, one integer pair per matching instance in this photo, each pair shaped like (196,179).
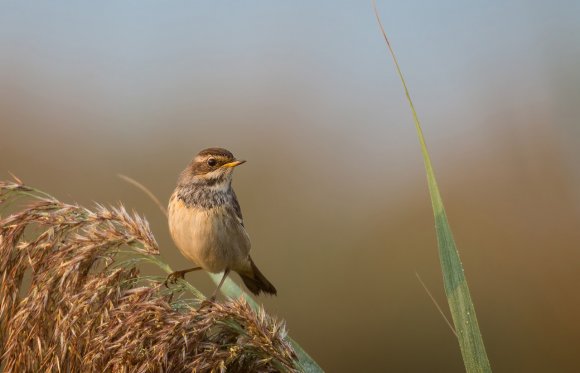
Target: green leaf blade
(458,297)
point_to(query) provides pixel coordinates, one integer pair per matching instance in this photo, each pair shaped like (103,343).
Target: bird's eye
(212,162)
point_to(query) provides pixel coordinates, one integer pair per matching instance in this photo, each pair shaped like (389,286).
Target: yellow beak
(234,163)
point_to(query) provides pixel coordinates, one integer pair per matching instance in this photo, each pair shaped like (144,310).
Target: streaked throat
(206,194)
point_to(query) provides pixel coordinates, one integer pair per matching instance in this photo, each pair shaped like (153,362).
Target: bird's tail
(256,282)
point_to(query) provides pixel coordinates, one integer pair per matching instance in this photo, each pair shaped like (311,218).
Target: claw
(173,277)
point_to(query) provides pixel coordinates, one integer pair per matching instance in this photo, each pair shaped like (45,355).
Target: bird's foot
(174,276)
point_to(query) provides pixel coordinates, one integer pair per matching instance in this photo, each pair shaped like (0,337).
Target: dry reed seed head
(84,314)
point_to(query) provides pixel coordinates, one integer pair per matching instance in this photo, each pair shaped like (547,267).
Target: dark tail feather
(256,282)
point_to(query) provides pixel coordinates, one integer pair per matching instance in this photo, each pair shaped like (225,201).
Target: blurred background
(334,192)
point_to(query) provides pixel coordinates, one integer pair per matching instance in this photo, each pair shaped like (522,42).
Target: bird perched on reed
(205,221)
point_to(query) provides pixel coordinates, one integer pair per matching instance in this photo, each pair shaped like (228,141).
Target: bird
(206,223)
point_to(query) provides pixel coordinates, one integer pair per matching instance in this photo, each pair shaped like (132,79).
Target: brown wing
(238,209)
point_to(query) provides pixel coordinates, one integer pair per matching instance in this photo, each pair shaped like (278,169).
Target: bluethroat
(205,221)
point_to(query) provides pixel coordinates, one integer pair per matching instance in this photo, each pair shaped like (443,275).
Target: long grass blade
(456,289)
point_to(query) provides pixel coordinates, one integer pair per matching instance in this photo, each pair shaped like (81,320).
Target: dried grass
(88,311)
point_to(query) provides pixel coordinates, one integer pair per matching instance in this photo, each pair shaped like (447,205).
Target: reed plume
(88,309)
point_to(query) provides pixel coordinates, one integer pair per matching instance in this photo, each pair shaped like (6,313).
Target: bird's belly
(211,238)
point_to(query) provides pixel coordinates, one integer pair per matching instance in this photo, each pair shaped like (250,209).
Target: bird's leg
(172,277)
(226,273)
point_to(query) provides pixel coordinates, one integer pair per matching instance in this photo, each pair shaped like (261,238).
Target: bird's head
(212,166)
